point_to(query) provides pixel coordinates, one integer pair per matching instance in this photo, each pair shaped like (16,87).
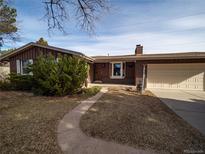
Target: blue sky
(161,26)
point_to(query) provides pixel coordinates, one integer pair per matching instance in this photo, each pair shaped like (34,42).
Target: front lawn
(141,121)
(28,123)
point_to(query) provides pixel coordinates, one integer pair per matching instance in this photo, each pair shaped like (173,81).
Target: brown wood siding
(30,53)
(103,73)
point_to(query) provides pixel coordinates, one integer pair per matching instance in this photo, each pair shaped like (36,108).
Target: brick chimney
(139,50)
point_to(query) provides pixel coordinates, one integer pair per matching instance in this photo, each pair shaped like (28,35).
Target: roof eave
(6,57)
(169,58)
(131,59)
(140,58)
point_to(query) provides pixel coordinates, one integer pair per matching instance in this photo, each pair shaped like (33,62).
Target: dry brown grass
(141,121)
(28,123)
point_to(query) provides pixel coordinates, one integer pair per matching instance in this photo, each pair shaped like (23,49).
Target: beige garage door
(176,76)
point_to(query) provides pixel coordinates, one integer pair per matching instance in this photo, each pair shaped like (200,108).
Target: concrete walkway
(190,105)
(112,85)
(73,141)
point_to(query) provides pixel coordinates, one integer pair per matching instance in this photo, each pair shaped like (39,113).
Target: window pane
(18,66)
(25,64)
(117,69)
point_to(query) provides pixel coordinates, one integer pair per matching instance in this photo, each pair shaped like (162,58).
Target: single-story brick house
(168,71)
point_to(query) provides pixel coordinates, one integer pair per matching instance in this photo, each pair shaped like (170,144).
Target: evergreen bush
(66,75)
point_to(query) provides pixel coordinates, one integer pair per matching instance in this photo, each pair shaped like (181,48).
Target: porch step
(98,81)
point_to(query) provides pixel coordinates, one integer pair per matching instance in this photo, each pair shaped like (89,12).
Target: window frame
(121,70)
(23,67)
(18,66)
(30,61)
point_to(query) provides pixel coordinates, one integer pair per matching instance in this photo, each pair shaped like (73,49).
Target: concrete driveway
(190,105)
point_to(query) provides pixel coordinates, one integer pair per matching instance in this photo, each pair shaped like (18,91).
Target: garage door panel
(176,76)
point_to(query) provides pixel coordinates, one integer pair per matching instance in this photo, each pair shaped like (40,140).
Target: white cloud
(152,42)
(190,22)
(157,42)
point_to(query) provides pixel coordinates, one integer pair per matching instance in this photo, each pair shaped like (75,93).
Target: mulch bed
(140,121)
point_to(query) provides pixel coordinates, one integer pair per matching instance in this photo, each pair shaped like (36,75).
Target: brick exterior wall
(139,50)
(103,72)
(90,73)
(138,73)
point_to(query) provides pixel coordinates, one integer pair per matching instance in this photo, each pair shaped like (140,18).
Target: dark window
(117,69)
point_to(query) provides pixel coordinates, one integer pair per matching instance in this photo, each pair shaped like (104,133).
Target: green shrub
(66,76)
(21,82)
(91,91)
(50,77)
(5,85)
(17,82)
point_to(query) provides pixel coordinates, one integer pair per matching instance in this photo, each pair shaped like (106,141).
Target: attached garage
(185,76)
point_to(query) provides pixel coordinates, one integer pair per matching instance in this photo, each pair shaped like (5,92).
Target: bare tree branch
(86,13)
(89,12)
(55,14)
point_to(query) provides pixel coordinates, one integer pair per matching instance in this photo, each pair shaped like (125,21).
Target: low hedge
(17,82)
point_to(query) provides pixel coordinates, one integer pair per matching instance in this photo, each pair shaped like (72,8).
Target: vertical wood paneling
(32,53)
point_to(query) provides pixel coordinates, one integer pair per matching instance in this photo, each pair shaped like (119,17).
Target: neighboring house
(168,71)
(4,70)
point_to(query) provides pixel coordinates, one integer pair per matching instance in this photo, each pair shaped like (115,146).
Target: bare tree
(86,13)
